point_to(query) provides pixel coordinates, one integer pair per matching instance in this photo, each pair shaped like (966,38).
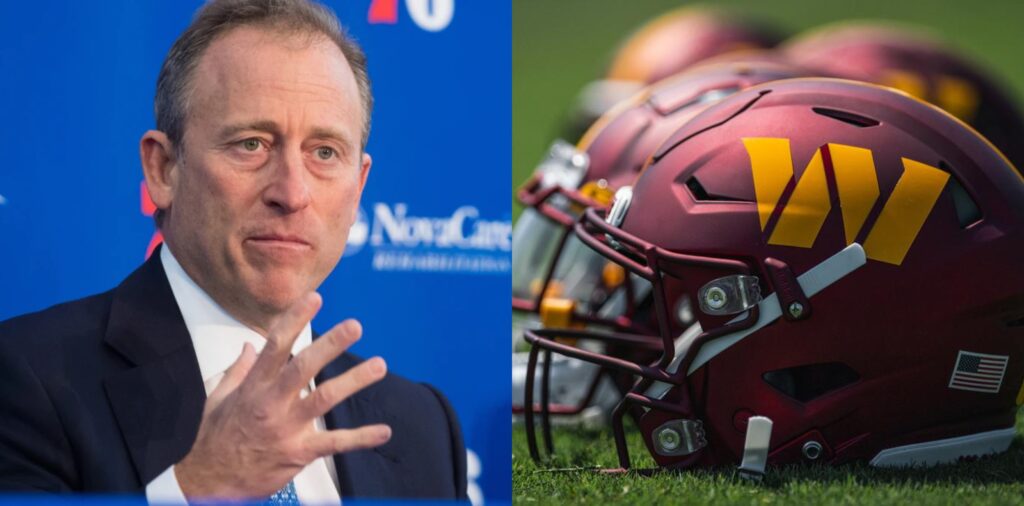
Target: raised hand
(257,432)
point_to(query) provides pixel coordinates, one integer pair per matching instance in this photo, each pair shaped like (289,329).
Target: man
(197,377)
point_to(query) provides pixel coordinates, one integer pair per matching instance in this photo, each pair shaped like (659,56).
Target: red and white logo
(148,208)
(430,15)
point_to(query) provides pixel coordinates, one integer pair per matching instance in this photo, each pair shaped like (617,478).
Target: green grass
(996,480)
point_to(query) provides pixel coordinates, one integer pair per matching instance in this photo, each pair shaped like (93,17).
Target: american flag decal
(977,372)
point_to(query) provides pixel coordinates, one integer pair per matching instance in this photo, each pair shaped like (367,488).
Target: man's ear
(364,171)
(159,166)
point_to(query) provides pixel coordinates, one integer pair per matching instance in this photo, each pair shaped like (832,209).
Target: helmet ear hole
(808,382)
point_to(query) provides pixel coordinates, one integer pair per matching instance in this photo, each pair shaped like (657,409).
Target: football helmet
(558,281)
(663,47)
(910,59)
(853,258)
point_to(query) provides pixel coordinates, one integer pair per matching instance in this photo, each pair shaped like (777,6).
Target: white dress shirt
(218,339)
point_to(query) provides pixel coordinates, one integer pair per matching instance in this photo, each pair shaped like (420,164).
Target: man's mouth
(279,241)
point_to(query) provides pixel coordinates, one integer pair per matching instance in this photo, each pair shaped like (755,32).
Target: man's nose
(288,189)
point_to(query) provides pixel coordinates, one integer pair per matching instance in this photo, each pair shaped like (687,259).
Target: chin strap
(811,282)
(755,448)
(816,279)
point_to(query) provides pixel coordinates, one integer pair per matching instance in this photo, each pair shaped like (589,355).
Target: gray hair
(175,83)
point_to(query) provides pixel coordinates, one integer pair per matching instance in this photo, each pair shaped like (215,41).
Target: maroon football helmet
(910,59)
(556,276)
(660,48)
(853,254)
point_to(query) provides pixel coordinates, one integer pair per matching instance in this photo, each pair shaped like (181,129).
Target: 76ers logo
(430,15)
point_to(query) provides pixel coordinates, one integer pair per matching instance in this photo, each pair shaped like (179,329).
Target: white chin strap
(816,279)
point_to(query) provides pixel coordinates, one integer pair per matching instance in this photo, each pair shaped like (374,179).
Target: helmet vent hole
(701,194)
(808,382)
(1016,322)
(846,117)
(967,211)
(697,189)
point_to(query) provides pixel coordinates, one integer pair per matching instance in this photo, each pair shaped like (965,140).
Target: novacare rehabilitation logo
(463,241)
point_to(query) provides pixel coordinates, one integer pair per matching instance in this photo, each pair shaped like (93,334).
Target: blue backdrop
(427,267)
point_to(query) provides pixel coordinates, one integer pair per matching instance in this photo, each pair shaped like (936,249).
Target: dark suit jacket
(104,393)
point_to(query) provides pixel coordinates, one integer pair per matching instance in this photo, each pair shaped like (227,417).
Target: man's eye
(325,153)
(251,144)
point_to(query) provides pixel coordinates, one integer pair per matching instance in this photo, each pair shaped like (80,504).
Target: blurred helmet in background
(662,47)
(911,59)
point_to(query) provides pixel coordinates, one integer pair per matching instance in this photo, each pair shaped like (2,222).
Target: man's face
(271,173)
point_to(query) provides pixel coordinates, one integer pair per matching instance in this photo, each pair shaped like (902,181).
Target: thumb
(233,376)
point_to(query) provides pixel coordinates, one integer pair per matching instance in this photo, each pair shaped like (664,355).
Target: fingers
(325,444)
(283,333)
(331,392)
(324,349)
(233,376)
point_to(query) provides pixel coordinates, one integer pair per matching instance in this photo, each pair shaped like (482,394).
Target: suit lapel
(158,403)
(363,473)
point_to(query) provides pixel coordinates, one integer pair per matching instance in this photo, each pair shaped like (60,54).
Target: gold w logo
(801,219)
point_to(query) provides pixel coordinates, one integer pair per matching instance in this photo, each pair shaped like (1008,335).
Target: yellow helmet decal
(800,221)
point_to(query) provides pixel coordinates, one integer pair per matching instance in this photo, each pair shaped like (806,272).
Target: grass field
(995,480)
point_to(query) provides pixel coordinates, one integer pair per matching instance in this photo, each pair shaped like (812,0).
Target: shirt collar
(217,337)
